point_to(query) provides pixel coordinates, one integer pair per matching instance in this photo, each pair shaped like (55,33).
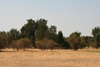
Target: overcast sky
(67,15)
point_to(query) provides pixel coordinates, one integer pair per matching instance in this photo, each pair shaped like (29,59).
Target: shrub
(46,44)
(16,45)
(25,43)
(22,44)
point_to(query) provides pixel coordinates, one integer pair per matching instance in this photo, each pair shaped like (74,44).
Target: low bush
(46,44)
(22,44)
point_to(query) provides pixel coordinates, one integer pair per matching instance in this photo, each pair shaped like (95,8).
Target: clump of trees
(37,34)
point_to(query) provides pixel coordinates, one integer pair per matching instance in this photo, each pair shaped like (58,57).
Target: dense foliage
(38,34)
(74,40)
(3,40)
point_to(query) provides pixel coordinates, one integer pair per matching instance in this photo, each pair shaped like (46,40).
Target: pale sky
(67,15)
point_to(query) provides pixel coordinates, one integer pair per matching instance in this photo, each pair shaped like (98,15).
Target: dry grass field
(48,58)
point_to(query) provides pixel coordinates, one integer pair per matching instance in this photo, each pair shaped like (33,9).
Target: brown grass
(48,58)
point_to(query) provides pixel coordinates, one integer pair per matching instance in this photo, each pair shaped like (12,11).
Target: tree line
(37,34)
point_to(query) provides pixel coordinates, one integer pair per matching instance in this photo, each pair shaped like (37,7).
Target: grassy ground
(47,58)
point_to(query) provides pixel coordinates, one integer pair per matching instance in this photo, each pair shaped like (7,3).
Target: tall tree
(96,35)
(52,33)
(61,41)
(28,30)
(60,37)
(41,29)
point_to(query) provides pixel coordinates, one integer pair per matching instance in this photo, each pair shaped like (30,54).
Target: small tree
(3,40)
(13,34)
(82,42)
(74,40)
(96,35)
(96,43)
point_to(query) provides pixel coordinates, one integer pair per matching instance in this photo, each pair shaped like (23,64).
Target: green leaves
(74,40)
(96,35)
(41,29)
(96,31)
(28,30)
